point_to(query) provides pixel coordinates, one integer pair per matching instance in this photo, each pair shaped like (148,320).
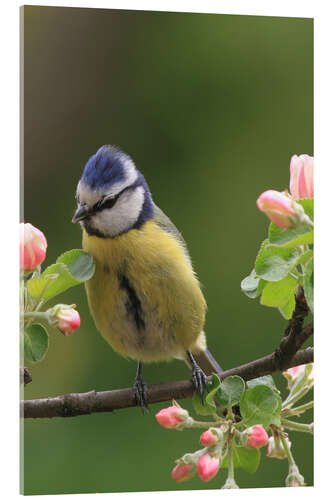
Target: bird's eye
(106,202)
(98,205)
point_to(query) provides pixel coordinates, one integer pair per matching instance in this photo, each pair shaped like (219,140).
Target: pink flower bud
(296,372)
(181,472)
(171,417)
(280,208)
(33,247)
(275,448)
(255,437)
(208,438)
(208,467)
(68,320)
(301,177)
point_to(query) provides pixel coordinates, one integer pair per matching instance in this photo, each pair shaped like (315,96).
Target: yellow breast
(144,296)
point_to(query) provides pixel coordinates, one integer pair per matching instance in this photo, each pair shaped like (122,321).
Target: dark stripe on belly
(133,304)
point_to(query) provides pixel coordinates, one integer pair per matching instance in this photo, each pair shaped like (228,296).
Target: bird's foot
(141,393)
(199,380)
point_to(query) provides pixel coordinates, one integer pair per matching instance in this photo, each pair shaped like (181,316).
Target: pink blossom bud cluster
(206,466)
(204,462)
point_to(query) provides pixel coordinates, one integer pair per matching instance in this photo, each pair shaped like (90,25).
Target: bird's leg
(199,379)
(140,389)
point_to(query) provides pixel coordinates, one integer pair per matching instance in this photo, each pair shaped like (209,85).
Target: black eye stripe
(105,204)
(108,203)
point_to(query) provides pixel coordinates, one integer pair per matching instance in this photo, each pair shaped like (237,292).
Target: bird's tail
(207,362)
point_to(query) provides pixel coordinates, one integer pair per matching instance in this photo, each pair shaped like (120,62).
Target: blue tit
(145,298)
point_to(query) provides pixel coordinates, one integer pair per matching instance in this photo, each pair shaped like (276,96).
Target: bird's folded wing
(167,225)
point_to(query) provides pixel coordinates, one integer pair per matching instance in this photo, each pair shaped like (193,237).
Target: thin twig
(71,405)
(25,375)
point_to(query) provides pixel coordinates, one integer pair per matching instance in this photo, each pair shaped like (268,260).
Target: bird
(144,296)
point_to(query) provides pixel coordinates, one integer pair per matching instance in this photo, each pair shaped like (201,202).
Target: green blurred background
(211,108)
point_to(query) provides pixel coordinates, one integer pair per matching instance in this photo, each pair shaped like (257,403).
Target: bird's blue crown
(110,166)
(106,167)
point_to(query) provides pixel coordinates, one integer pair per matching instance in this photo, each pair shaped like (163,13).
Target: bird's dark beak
(80,214)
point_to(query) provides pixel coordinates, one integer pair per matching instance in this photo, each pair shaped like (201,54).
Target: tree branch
(71,405)
(294,335)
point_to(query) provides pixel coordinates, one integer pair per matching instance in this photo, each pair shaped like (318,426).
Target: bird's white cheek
(122,216)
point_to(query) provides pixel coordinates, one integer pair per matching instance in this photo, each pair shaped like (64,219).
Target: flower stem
(36,314)
(295,397)
(287,449)
(230,482)
(296,426)
(299,409)
(198,423)
(231,471)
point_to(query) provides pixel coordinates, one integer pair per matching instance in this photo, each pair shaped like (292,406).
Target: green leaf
(244,458)
(80,264)
(37,286)
(214,388)
(287,309)
(265,380)
(206,405)
(276,416)
(249,285)
(289,238)
(232,389)
(36,343)
(281,294)
(308,284)
(302,235)
(252,285)
(72,267)
(274,263)
(258,406)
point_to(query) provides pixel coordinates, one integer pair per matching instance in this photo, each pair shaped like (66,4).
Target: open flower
(301,177)
(33,247)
